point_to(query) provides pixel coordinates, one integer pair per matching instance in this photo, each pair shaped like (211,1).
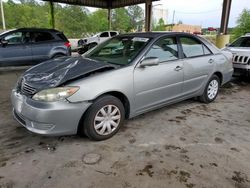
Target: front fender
(119,80)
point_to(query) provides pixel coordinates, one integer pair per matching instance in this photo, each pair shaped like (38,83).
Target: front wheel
(104,118)
(211,91)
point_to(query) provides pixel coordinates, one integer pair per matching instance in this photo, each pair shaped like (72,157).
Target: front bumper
(47,118)
(241,69)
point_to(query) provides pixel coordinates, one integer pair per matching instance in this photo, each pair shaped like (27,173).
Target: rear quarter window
(61,36)
(193,48)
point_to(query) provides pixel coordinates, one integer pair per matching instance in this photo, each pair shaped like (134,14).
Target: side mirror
(4,43)
(149,61)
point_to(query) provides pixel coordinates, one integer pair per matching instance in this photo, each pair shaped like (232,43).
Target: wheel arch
(57,54)
(122,97)
(220,76)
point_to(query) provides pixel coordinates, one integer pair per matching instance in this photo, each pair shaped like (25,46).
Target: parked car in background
(121,78)
(86,44)
(28,46)
(241,55)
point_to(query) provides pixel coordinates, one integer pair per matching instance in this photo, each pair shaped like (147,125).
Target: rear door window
(193,48)
(42,37)
(62,36)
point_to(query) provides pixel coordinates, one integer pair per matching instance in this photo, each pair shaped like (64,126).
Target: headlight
(55,94)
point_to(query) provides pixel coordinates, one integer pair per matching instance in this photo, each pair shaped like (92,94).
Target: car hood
(58,71)
(245,51)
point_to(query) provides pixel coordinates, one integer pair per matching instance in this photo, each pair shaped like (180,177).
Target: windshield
(4,32)
(241,42)
(119,50)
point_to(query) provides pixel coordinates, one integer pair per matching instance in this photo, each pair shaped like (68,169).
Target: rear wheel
(211,91)
(104,118)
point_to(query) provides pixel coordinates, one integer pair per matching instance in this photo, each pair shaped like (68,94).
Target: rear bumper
(227,76)
(47,118)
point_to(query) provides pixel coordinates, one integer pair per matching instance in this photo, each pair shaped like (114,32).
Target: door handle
(178,68)
(210,61)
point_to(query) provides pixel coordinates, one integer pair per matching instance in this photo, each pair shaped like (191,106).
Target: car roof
(37,29)
(155,34)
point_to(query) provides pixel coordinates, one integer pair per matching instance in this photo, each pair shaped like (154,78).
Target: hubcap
(107,119)
(212,90)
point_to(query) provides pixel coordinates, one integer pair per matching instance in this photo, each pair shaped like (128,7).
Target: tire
(211,90)
(99,123)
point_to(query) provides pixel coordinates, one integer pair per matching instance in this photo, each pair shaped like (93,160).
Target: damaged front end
(39,100)
(58,72)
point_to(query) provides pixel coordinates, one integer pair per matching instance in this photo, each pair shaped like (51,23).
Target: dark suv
(27,46)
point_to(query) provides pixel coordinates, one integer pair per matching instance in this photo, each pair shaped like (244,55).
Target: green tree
(121,20)
(243,24)
(160,26)
(136,15)
(99,20)
(72,20)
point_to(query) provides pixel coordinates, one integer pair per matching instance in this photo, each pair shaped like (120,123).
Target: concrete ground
(188,144)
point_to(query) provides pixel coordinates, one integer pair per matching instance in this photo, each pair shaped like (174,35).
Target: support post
(225,16)
(148,15)
(2,13)
(52,16)
(109,17)
(223,38)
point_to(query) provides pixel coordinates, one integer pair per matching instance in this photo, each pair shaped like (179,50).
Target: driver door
(155,85)
(18,49)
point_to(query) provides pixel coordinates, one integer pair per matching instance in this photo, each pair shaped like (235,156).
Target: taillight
(67,44)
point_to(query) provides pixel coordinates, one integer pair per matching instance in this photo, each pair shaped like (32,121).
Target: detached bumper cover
(47,118)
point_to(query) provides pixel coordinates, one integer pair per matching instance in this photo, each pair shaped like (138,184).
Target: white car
(87,43)
(241,55)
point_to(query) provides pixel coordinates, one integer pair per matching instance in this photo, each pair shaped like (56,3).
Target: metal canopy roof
(108,4)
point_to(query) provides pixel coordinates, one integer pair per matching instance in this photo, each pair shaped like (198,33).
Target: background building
(194,29)
(159,13)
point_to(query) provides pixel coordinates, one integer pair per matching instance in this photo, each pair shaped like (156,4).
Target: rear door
(18,49)
(198,63)
(42,43)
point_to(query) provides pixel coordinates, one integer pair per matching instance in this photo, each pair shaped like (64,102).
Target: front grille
(241,59)
(27,89)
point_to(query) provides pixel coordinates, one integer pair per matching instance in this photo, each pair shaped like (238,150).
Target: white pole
(3,19)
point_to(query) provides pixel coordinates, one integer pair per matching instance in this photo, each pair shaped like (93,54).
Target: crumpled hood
(55,72)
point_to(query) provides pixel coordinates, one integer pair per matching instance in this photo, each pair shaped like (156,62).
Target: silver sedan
(121,78)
